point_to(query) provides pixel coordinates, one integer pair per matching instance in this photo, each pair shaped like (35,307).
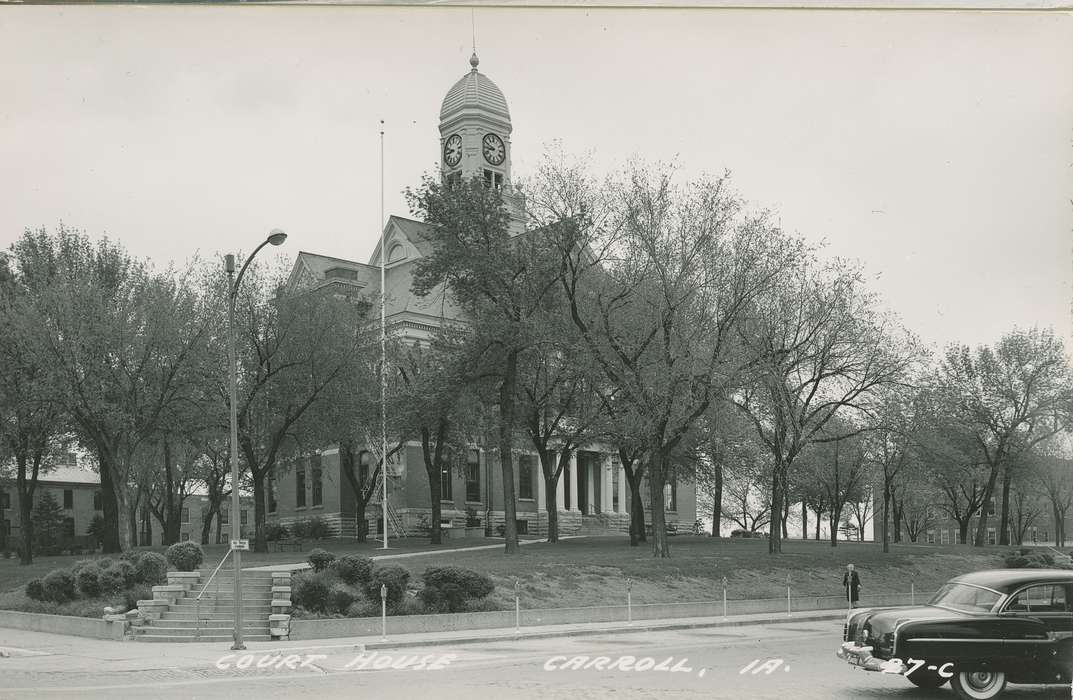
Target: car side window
(1046,598)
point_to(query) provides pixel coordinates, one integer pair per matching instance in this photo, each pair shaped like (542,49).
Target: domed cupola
(475,129)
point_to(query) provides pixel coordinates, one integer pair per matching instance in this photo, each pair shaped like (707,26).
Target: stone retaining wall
(95,628)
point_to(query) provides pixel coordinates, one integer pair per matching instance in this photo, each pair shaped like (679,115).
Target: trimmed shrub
(312,592)
(185,556)
(340,598)
(127,569)
(354,569)
(320,559)
(318,528)
(59,586)
(450,588)
(300,529)
(275,532)
(35,589)
(77,567)
(394,577)
(150,568)
(88,579)
(112,580)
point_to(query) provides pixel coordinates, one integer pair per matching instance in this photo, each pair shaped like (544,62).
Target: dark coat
(852,586)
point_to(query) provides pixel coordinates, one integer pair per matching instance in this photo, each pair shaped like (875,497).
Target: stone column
(605,484)
(623,491)
(573,480)
(560,488)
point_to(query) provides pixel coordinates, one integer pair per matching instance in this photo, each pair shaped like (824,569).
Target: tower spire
(473,60)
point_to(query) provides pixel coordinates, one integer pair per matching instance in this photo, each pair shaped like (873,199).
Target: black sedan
(980,631)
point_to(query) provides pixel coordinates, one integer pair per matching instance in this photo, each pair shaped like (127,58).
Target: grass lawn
(592,570)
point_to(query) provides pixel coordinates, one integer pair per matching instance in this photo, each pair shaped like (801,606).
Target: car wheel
(978,685)
(926,679)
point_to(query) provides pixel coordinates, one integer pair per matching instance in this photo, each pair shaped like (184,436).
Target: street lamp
(275,237)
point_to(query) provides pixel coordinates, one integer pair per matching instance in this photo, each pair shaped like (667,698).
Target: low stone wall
(407,624)
(63,624)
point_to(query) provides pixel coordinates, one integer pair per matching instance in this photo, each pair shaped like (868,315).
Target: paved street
(695,663)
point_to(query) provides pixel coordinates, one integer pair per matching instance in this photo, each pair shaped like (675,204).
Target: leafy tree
(47,519)
(839,468)
(822,350)
(1053,470)
(1009,395)
(500,281)
(656,276)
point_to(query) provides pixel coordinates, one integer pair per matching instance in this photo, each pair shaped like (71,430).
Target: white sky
(934,146)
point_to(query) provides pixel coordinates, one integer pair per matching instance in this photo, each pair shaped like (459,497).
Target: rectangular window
(68,499)
(473,476)
(931,537)
(991,539)
(186,515)
(523,526)
(316,476)
(271,492)
(225,516)
(944,537)
(244,517)
(5,500)
(672,494)
(184,536)
(991,507)
(300,486)
(445,483)
(957,537)
(526,467)
(98,500)
(363,467)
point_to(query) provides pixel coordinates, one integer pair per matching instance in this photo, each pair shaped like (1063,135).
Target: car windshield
(963,597)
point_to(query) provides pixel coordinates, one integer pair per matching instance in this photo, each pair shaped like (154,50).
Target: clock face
(452,150)
(494,150)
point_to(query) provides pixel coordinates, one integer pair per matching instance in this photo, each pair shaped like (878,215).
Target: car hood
(882,620)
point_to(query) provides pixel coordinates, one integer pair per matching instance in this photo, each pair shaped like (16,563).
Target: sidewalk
(33,658)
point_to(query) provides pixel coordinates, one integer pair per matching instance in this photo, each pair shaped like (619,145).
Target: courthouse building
(475,141)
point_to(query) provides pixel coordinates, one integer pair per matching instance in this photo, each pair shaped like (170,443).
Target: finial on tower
(474,61)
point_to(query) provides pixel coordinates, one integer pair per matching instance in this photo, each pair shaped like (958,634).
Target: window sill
(475,503)
(527,500)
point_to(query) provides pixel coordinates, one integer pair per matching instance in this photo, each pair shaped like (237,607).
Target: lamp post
(276,237)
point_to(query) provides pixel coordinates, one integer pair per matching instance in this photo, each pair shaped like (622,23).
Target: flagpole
(383,342)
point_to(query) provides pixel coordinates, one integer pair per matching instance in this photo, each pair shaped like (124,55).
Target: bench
(295,545)
(670,528)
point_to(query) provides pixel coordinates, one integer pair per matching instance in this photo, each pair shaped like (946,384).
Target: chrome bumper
(861,657)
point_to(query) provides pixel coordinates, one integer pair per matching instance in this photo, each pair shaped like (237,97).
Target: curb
(650,627)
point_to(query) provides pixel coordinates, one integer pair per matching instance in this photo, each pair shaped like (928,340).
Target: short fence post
(788,613)
(724,597)
(517,607)
(383,611)
(912,592)
(629,601)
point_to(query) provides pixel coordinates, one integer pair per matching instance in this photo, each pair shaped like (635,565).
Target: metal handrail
(197,601)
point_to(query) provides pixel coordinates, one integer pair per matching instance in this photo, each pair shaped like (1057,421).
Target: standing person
(852,583)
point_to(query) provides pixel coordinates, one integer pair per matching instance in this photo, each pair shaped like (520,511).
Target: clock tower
(475,133)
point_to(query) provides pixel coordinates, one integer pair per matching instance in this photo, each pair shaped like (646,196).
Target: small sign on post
(383,611)
(724,597)
(517,607)
(629,601)
(788,613)
(243,545)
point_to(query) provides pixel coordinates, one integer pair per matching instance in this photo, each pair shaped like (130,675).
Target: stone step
(214,637)
(226,623)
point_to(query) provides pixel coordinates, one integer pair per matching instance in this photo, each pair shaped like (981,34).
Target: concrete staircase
(177,615)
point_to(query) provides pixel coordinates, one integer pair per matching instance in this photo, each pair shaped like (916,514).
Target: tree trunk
(819,520)
(717,493)
(110,543)
(836,515)
(551,505)
(656,475)
(258,510)
(26,506)
(206,521)
(804,520)
(778,479)
(634,471)
(433,458)
(1004,516)
(886,516)
(785,517)
(506,446)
